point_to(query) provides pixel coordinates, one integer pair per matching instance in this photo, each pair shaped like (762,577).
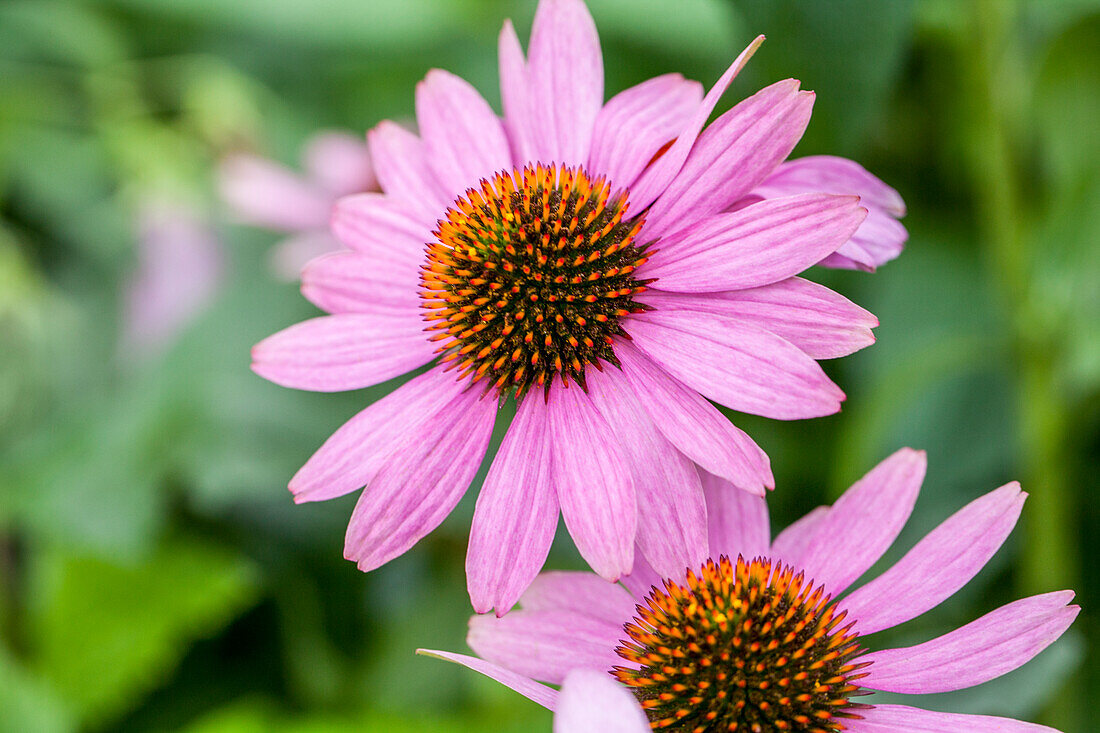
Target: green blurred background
(154,573)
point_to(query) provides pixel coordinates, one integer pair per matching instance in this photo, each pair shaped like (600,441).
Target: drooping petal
(515,517)
(758,245)
(696,427)
(340,163)
(996,643)
(672,514)
(904,719)
(863,522)
(740,366)
(270,195)
(534,691)
(381,228)
(464,140)
(352,455)
(941,563)
(545,645)
(581,592)
(594,483)
(418,485)
(738,520)
(404,174)
(593,702)
(515,96)
(346,351)
(657,176)
(734,154)
(790,544)
(350,282)
(565,69)
(879,239)
(817,320)
(636,123)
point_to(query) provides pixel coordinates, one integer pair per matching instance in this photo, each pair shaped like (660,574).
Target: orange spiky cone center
(742,646)
(530,277)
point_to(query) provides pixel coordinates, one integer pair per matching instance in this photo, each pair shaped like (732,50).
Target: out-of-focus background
(154,573)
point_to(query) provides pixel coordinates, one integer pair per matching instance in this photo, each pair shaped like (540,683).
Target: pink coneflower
(771,641)
(267,194)
(584,259)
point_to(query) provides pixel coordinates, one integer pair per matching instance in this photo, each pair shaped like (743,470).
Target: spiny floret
(530,276)
(742,647)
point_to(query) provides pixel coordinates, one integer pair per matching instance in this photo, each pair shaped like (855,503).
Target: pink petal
(593,481)
(515,97)
(863,522)
(350,282)
(546,645)
(267,194)
(642,578)
(463,138)
(346,351)
(382,228)
(742,367)
(657,176)
(593,702)
(543,695)
(291,255)
(340,163)
(672,515)
(695,426)
(581,592)
(636,123)
(877,241)
(791,543)
(998,642)
(352,456)
(817,320)
(732,156)
(758,245)
(515,517)
(904,719)
(401,165)
(738,520)
(941,563)
(565,69)
(418,485)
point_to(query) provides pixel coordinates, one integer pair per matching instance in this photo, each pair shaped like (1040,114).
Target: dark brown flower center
(745,646)
(529,277)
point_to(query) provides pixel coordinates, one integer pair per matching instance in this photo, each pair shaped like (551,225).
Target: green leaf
(102,634)
(28,704)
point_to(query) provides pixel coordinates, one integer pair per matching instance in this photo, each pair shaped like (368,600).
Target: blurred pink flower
(762,639)
(596,247)
(180,268)
(270,195)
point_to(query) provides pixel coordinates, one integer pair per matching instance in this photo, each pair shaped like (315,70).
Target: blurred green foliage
(154,574)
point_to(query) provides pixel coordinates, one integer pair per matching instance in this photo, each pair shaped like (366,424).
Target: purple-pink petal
(265,193)
(346,351)
(515,95)
(863,522)
(636,123)
(534,691)
(696,427)
(996,643)
(515,517)
(545,645)
(350,282)
(401,165)
(340,163)
(579,591)
(593,702)
(593,480)
(565,70)
(418,485)
(734,154)
(740,366)
(382,228)
(738,520)
(653,182)
(941,563)
(905,719)
(463,138)
(792,541)
(758,245)
(817,320)
(672,516)
(289,256)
